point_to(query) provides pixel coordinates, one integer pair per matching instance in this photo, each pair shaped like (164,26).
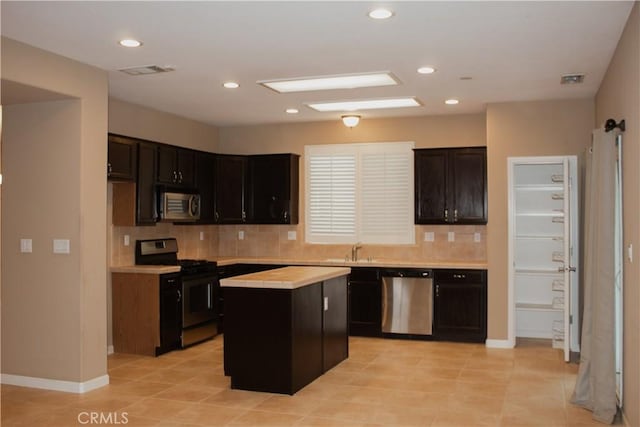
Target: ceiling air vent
(571,79)
(146,69)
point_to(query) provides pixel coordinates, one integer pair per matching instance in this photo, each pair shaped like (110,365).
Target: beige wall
(142,122)
(425,131)
(619,98)
(54,306)
(523,129)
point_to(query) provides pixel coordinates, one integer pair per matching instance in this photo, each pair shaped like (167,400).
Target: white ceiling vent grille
(571,79)
(146,69)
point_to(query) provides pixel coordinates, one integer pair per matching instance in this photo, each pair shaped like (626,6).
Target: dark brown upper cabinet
(205,183)
(122,158)
(273,189)
(176,166)
(451,186)
(230,189)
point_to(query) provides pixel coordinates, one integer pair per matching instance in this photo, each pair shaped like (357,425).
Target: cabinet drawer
(461,276)
(364,275)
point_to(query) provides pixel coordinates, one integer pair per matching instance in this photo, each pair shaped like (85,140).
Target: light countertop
(146,269)
(285,278)
(333,262)
(329,262)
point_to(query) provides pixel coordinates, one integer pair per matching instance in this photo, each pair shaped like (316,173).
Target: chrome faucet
(354,251)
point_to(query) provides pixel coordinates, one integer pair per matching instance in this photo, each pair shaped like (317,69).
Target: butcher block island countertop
(285,278)
(284,327)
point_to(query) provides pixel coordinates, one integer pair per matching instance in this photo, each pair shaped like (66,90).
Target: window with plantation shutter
(360,193)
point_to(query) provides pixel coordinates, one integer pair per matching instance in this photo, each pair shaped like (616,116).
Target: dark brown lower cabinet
(279,340)
(365,302)
(460,305)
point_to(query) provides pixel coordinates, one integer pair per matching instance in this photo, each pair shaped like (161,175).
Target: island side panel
(307,335)
(257,339)
(335,322)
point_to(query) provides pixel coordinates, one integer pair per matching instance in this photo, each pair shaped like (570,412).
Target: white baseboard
(109,350)
(57,385)
(498,344)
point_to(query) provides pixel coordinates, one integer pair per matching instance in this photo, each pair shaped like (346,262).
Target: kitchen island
(284,327)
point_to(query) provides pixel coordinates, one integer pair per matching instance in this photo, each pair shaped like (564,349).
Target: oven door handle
(209,285)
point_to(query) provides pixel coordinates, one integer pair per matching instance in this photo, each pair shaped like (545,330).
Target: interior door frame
(574,260)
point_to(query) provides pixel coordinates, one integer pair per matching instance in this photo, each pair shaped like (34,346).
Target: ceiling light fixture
(380,13)
(351,120)
(231,85)
(426,70)
(366,104)
(452,101)
(130,43)
(291,111)
(341,81)
(572,79)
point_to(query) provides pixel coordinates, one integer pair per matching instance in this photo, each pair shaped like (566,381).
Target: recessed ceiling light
(451,101)
(342,81)
(380,13)
(291,111)
(130,43)
(231,85)
(366,104)
(426,70)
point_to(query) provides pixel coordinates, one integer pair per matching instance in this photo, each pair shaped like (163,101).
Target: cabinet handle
(244,216)
(285,215)
(217,216)
(179,295)
(109,169)
(446,214)
(437,290)
(175,176)
(180,177)
(455,215)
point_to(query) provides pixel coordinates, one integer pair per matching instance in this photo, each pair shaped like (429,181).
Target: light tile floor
(383,383)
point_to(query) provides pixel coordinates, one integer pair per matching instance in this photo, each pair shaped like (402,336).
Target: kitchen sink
(348,261)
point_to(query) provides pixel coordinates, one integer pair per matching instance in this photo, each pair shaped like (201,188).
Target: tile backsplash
(273,241)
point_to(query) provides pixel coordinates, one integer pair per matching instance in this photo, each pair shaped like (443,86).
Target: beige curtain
(596,383)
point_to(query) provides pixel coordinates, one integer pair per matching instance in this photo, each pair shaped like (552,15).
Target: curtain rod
(611,124)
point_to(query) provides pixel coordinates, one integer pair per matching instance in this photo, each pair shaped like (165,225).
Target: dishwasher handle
(407,272)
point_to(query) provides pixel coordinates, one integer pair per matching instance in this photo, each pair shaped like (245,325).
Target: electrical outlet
(476,237)
(202,235)
(292,235)
(26,246)
(127,240)
(429,236)
(451,236)
(241,235)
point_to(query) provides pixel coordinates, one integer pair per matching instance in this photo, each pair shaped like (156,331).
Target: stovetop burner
(165,252)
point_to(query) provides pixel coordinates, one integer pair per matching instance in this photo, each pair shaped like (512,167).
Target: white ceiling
(514,51)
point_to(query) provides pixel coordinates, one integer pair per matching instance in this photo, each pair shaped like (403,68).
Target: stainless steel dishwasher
(407,301)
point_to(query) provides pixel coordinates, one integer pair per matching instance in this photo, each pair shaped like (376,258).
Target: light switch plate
(61,246)
(292,235)
(476,237)
(202,235)
(127,240)
(241,235)
(26,246)
(451,236)
(429,236)
(630,252)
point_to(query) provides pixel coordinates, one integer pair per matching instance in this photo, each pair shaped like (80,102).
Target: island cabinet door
(335,322)
(306,345)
